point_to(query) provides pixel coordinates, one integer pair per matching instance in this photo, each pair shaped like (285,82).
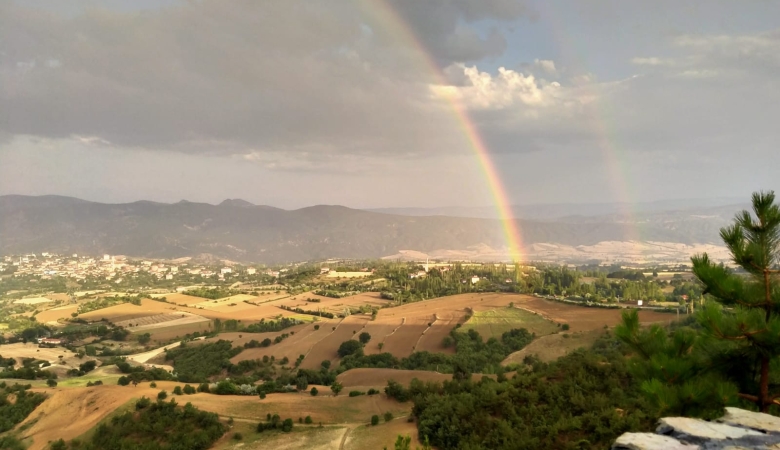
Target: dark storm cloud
(254,76)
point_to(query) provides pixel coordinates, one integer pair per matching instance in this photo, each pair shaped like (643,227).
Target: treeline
(32,369)
(153,426)
(584,400)
(309,312)
(472,355)
(212,293)
(14,410)
(106,302)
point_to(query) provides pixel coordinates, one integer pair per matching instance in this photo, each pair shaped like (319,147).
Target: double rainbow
(384,13)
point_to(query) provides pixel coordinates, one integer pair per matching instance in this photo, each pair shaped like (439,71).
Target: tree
(314,392)
(746,333)
(308,420)
(162,395)
(364,338)
(336,387)
(144,338)
(388,416)
(301,383)
(350,348)
(374,420)
(735,347)
(177,390)
(51,382)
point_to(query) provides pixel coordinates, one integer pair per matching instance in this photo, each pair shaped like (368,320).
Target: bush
(152,384)
(388,416)
(350,348)
(308,420)
(142,403)
(372,391)
(356,393)
(123,381)
(314,392)
(565,327)
(177,391)
(374,420)
(189,389)
(287,425)
(162,395)
(316,327)
(51,383)
(237,436)
(203,387)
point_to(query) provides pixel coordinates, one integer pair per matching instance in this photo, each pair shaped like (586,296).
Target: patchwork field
(51,316)
(581,318)
(494,322)
(551,347)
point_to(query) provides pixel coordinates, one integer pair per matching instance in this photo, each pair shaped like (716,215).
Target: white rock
(749,419)
(649,441)
(696,428)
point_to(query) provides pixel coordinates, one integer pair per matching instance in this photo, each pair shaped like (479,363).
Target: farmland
(400,330)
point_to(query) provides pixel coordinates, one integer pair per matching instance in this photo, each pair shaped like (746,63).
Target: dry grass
(549,348)
(382,435)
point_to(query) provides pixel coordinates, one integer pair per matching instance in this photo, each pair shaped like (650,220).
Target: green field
(494,322)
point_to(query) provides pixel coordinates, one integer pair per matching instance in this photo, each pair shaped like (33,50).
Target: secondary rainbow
(381,11)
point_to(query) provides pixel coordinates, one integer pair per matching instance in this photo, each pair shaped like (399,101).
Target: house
(251,271)
(474,279)
(50,341)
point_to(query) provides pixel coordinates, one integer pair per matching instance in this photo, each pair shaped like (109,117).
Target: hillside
(240,231)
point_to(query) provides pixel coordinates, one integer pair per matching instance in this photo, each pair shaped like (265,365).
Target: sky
(362,102)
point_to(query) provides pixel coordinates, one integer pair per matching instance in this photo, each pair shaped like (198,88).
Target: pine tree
(743,324)
(735,349)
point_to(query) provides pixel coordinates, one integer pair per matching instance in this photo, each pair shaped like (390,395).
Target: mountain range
(239,230)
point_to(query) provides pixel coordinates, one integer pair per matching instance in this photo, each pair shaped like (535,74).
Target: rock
(753,420)
(736,430)
(649,441)
(698,431)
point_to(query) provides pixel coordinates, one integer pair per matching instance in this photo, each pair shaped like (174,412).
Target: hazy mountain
(238,230)
(561,210)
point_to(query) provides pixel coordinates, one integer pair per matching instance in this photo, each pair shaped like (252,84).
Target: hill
(241,231)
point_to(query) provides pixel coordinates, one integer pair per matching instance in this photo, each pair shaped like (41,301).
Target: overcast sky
(293,103)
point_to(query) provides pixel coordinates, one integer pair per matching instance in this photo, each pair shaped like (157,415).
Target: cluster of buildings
(113,268)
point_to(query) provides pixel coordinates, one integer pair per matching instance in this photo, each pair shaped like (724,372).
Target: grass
(494,322)
(302,437)
(83,380)
(550,348)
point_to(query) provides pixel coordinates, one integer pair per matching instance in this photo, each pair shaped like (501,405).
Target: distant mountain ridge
(240,231)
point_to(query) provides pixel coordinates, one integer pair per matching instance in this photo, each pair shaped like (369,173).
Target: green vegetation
(106,302)
(14,411)
(195,364)
(731,350)
(32,369)
(494,322)
(153,426)
(274,422)
(584,400)
(211,293)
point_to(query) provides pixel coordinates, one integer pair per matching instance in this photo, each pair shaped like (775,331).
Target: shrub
(350,348)
(356,393)
(177,391)
(51,383)
(152,384)
(388,416)
(237,436)
(374,420)
(287,425)
(565,327)
(203,387)
(316,327)
(372,391)
(123,381)
(142,403)
(162,395)
(308,420)
(189,389)
(314,392)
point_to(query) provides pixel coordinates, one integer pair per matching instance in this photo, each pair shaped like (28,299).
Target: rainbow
(615,160)
(384,13)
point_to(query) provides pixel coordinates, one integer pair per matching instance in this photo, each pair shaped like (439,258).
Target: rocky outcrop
(736,430)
